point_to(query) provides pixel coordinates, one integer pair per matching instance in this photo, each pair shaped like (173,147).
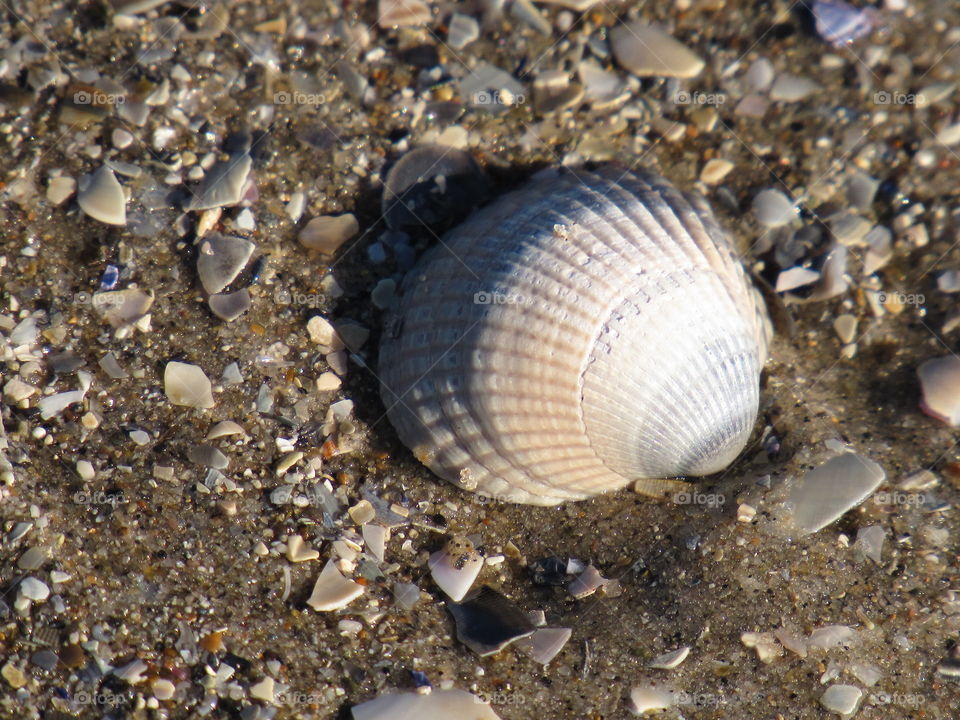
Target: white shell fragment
(648,51)
(773,209)
(455,568)
(525,358)
(102,198)
(940,382)
(545,644)
(224,184)
(230,306)
(833,488)
(587,583)
(187,385)
(51,405)
(646,699)
(672,659)
(220,260)
(870,541)
(375,538)
(842,699)
(332,590)
(437,705)
(60,188)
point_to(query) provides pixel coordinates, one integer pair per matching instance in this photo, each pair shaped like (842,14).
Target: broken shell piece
(670,660)
(842,699)
(828,491)
(832,636)
(791,641)
(648,51)
(545,644)
(437,705)
(220,260)
(229,306)
(764,644)
(455,568)
(225,184)
(332,590)
(224,428)
(488,622)
(299,551)
(187,385)
(587,583)
(940,382)
(375,538)
(102,198)
(645,699)
(327,233)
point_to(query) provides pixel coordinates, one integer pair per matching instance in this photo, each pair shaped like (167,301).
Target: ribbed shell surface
(586,330)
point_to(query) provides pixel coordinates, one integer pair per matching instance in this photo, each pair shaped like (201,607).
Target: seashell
(585,331)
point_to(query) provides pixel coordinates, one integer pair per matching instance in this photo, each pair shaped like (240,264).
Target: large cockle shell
(582,332)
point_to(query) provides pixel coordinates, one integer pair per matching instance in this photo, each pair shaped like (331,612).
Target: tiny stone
(845,327)
(121,138)
(327,382)
(363,512)
(85,470)
(715,170)
(14,676)
(163,689)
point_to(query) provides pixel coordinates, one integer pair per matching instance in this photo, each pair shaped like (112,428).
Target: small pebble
(715,170)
